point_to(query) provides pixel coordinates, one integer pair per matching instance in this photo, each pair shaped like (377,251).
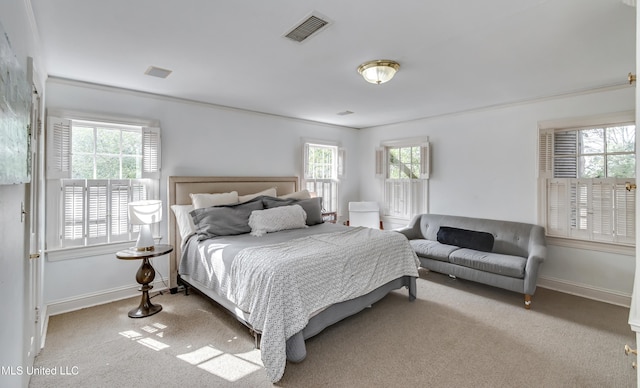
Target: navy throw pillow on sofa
(463,238)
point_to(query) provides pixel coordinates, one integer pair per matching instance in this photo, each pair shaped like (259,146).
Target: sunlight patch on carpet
(153,344)
(229,367)
(201,355)
(252,356)
(130,334)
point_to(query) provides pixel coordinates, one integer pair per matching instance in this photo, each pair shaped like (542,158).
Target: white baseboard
(88,300)
(586,291)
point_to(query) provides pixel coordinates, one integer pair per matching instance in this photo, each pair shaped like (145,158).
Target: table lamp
(144,213)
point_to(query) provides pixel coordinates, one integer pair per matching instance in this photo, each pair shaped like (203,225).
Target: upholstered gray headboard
(181,186)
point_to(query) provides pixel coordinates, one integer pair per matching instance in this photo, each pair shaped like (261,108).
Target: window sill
(626,250)
(70,253)
(395,222)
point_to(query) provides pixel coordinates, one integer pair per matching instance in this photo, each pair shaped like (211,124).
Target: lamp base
(143,249)
(145,240)
(145,310)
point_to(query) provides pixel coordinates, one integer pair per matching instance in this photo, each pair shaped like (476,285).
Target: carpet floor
(456,334)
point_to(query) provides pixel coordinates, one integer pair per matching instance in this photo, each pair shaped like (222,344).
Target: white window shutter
(579,197)
(557,207)
(380,164)
(342,153)
(151,155)
(97,211)
(58,148)
(305,162)
(602,210)
(73,212)
(119,217)
(625,211)
(545,153)
(425,164)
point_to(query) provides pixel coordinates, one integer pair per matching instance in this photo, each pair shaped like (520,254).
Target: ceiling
(455,56)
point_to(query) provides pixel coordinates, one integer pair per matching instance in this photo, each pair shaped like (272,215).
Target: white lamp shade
(145,212)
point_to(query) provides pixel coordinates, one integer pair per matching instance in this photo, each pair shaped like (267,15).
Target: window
(96,169)
(323,168)
(403,167)
(586,175)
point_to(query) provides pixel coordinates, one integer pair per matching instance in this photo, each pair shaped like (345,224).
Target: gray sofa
(504,254)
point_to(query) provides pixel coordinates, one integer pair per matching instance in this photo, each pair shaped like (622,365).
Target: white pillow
(186,227)
(277,218)
(207,200)
(302,194)
(270,192)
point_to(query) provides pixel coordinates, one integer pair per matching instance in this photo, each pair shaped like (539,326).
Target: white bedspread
(283,284)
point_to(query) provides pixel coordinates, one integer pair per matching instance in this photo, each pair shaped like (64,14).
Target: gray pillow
(224,220)
(311,206)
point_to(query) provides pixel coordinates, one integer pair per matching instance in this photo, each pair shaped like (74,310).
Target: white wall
(15,331)
(197,139)
(484,165)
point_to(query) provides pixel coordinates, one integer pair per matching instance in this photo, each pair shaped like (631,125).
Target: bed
(275,283)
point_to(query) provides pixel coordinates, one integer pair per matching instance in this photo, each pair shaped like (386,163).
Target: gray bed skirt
(296,349)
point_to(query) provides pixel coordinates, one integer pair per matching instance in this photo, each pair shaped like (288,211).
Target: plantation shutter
(557,207)
(545,153)
(58,148)
(73,220)
(151,152)
(624,212)
(380,164)
(579,204)
(565,150)
(119,217)
(97,211)
(341,163)
(305,158)
(424,161)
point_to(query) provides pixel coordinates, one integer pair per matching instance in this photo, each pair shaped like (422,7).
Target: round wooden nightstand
(144,276)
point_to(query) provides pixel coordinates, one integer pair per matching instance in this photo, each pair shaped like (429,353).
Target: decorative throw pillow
(270,192)
(205,200)
(224,220)
(463,238)
(312,206)
(276,219)
(186,227)
(302,194)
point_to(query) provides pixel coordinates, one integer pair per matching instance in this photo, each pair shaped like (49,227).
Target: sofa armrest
(537,255)
(412,231)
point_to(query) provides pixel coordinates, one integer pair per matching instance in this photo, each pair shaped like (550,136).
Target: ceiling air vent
(309,26)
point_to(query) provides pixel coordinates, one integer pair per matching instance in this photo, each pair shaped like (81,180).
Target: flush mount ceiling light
(378,72)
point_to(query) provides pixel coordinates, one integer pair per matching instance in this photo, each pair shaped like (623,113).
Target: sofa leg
(527,301)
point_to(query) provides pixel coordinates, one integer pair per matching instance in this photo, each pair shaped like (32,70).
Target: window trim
(78,252)
(382,169)
(340,168)
(545,133)
(150,132)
